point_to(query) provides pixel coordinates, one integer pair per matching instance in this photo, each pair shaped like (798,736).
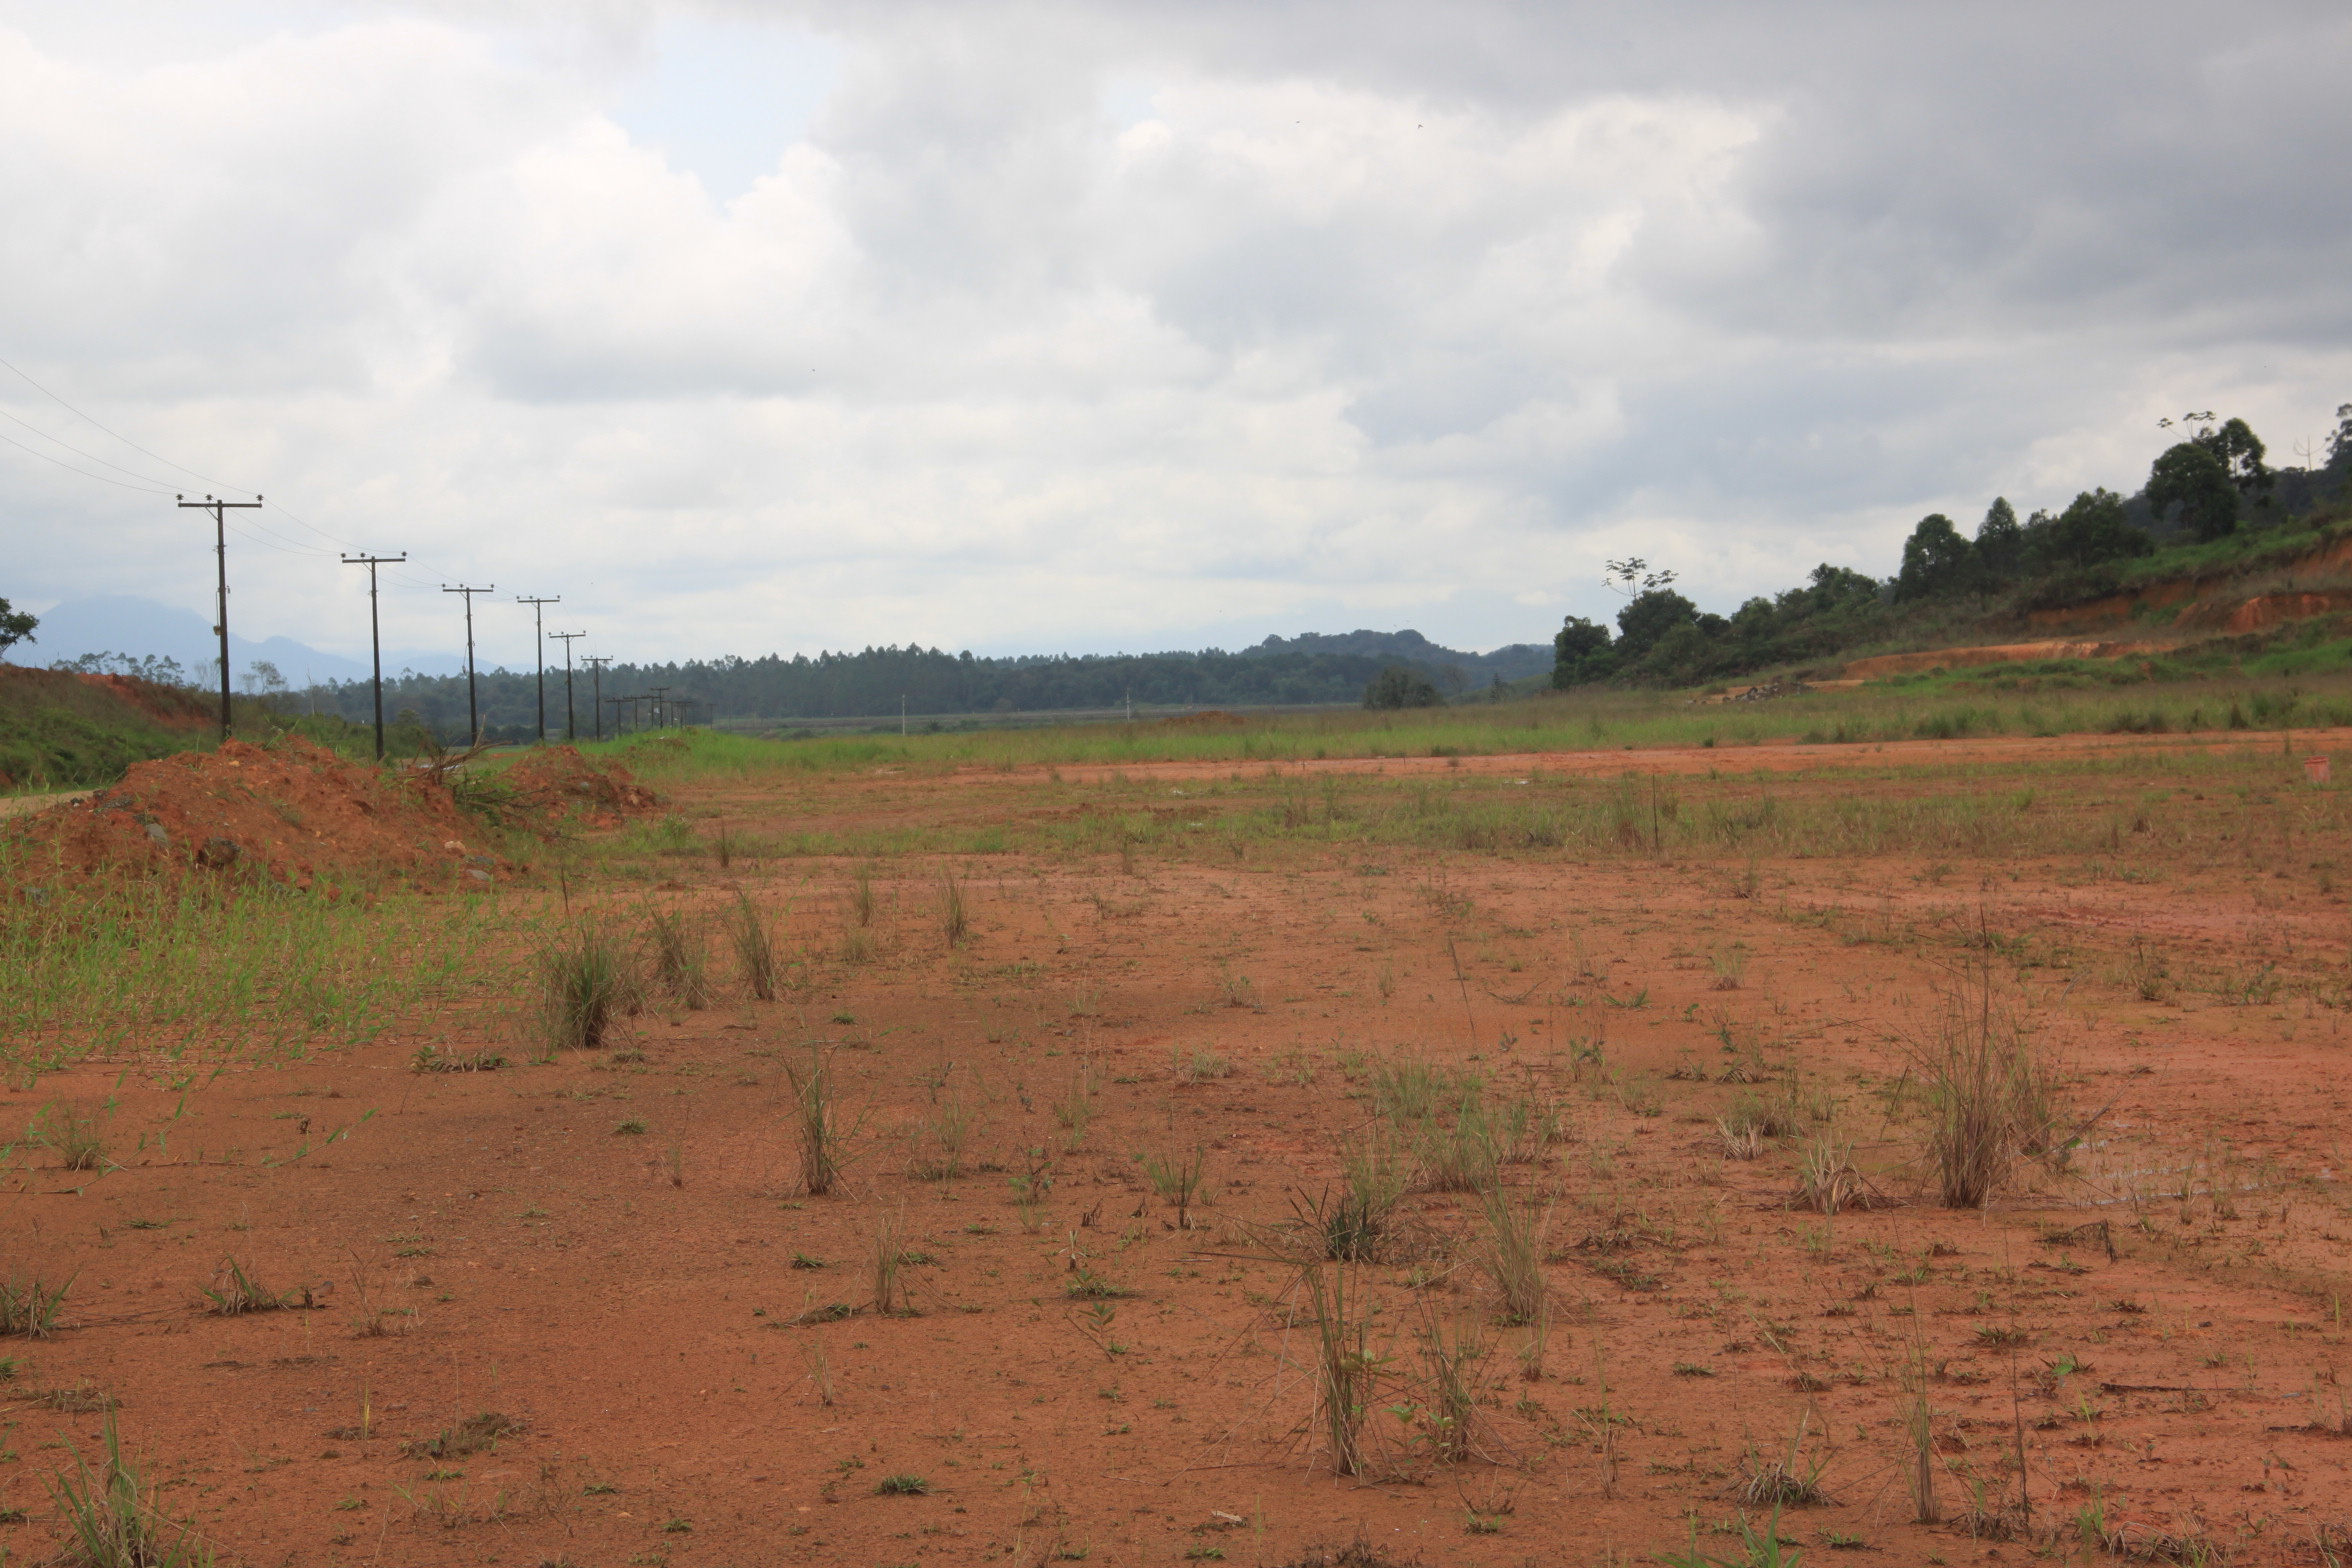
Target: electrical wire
(85,473)
(125,440)
(78,452)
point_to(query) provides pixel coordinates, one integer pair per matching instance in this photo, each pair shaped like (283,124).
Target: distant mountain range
(142,629)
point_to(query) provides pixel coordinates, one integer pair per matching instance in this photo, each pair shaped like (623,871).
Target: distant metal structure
(220,548)
(375,633)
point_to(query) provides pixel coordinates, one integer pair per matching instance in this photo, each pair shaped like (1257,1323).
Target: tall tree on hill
(1647,618)
(2192,478)
(1937,560)
(2000,540)
(1580,652)
(2240,452)
(2092,529)
(15,626)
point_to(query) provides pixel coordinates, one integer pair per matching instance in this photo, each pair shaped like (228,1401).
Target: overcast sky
(1036,326)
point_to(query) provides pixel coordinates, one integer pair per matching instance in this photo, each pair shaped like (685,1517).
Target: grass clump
(818,1134)
(1177,1179)
(234,1293)
(586,982)
(755,950)
(430,1059)
(1346,1372)
(1512,1257)
(954,922)
(1990,1099)
(28,1307)
(473,1435)
(888,1262)
(1354,1225)
(75,1139)
(902,1486)
(681,964)
(114,1519)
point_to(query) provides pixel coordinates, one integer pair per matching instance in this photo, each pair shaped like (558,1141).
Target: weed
(28,1307)
(1988,1098)
(1790,1481)
(474,1435)
(1461,1155)
(680,964)
(902,1486)
(632,1128)
(1177,1179)
(954,924)
(816,1122)
(889,1258)
(1512,1256)
(1201,1065)
(75,1139)
(1353,1227)
(861,896)
(113,1519)
(431,1060)
(234,1292)
(755,949)
(1827,1181)
(585,982)
(1346,1372)
(950,1126)
(1076,1107)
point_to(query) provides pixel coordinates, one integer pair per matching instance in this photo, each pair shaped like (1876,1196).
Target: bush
(1402,686)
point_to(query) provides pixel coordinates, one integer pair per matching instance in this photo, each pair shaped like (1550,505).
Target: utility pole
(571,723)
(902,713)
(597,662)
(220,548)
(616,702)
(539,637)
(473,702)
(376,633)
(661,717)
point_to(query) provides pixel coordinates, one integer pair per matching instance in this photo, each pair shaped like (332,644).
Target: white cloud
(751,327)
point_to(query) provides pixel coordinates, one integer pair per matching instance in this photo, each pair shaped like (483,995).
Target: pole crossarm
(473,698)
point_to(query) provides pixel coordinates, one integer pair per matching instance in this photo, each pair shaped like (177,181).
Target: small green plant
(1177,1179)
(75,1139)
(632,1128)
(1353,1225)
(1827,1181)
(113,1519)
(1346,1372)
(950,1127)
(585,983)
(234,1292)
(903,1485)
(29,1307)
(1200,1065)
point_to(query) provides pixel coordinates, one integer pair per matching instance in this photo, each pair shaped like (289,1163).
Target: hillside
(59,729)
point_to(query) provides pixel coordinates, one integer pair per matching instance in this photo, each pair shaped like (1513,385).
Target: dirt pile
(290,812)
(558,782)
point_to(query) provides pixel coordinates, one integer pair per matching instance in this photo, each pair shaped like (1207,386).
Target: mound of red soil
(290,812)
(558,781)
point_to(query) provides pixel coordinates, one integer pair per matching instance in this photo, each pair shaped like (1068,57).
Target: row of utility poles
(663,705)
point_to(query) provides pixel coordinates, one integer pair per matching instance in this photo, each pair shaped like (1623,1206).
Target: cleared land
(1547,1139)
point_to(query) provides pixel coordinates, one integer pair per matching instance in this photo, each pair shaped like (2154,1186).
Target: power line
(85,473)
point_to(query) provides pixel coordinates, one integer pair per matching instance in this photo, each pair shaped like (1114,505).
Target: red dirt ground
(629,1297)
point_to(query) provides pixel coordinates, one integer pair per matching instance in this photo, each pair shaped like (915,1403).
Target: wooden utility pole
(539,642)
(473,701)
(375,634)
(571,723)
(220,548)
(597,662)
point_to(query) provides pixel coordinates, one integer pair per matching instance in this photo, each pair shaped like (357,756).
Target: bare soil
(613,1253)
